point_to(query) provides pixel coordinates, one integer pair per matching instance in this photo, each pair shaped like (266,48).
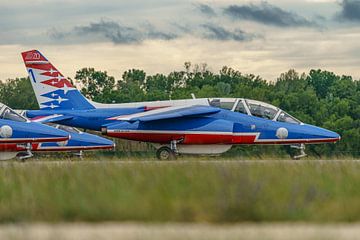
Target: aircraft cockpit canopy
(7,113)
(68,129)
(253,108)
(224,103)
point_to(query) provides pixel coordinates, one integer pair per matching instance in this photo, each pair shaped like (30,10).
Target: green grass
(192,191)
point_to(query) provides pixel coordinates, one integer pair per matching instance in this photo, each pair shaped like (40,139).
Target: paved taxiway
(133,231)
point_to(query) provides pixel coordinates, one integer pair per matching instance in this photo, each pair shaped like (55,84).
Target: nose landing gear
(27,154)
(300,147)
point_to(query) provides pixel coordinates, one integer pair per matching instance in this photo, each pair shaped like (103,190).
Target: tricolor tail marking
(52,89)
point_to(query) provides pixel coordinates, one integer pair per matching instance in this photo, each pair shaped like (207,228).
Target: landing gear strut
(79,154)
(301,147)
(168,153)
(28,154)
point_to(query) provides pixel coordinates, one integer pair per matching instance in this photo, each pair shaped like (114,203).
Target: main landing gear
(165,153)
(300,147)
(168,153)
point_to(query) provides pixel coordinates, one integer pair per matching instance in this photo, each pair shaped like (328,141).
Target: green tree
(96,85)
(18,94)
(322,81)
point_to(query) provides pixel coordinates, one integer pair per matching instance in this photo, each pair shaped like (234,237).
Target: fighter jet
(213,130)
(21,137)
(17,131)
(196,126)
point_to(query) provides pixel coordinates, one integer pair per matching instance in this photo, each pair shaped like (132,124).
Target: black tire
(165,153)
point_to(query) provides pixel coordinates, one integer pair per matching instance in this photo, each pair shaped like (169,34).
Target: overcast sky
(265,38)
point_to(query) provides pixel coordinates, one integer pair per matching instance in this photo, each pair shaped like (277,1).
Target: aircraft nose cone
(91,140)
(323,134)
(331,134)
(102,141)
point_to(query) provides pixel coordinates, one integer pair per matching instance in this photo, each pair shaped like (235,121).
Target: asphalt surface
(133,231)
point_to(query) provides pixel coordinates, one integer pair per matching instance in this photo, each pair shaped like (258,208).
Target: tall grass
(194,191)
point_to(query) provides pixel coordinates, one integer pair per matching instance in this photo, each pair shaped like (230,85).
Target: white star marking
(52,71)
(65,88)
(60,99)
(59,77)
(53,95)
(52,106)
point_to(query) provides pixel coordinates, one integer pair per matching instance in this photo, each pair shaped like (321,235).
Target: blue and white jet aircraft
(20,136)
(195,126)
(17,133)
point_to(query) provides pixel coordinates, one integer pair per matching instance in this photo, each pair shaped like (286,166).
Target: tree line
(319,97)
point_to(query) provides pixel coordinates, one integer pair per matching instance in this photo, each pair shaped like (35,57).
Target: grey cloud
(268,14)
(152,32)
(183,28)
(219,33)
(161,35)
(206,9)
(110,31)
(54,33)
(350,10)
(121,34)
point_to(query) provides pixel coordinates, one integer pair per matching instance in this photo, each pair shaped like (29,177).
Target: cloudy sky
(260,37)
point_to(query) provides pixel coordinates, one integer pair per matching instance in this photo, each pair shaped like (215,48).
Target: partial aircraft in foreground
(20,137)
(194,126)
(17,134)
(78,142)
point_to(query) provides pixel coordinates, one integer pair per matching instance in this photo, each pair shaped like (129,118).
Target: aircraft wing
(168,113)
(51,118)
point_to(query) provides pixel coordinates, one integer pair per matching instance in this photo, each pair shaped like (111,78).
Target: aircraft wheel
(165,153)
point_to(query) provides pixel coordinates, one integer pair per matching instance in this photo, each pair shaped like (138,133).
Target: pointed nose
(321,134)
(100,141)
(90,140)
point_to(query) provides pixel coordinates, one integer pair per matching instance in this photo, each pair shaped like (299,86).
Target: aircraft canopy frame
(254,108)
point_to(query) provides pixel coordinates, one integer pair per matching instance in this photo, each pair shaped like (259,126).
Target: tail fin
(52,89)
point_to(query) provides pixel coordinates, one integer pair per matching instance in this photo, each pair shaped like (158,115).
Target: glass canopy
(253,108)
(7,113)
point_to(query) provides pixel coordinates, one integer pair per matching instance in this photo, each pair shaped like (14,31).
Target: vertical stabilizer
(52,89)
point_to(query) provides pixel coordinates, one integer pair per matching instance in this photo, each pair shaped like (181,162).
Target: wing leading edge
(51,118)
(168,113)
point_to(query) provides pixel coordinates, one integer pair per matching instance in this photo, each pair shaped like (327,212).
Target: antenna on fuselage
(193,96)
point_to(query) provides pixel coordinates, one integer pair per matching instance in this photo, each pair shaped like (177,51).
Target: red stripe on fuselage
(72,148)
(5,147)
(192,138)
(36,147)
(209,138)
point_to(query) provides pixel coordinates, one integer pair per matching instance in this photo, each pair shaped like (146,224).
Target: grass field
(180,191)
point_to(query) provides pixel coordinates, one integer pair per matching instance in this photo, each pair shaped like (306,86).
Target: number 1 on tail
(32,75)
